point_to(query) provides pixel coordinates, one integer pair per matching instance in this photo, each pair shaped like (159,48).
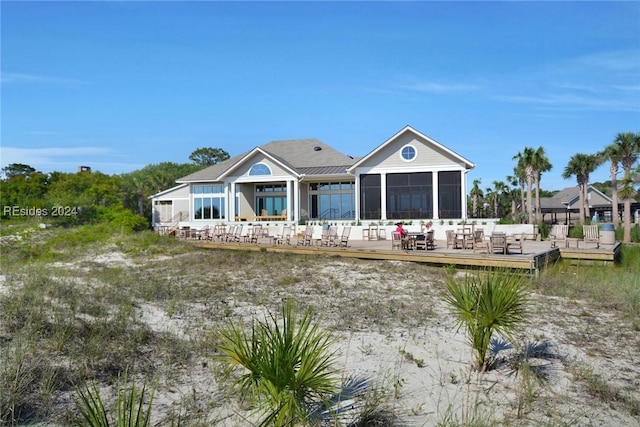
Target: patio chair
(305,239)
(333,236)
(431,243)
(324,238)
(454,240)
(219,232)
(231,231)
(237,234)
(285,237)
(558,233)
(396,240)
(203,233)
(344,238)
(515,243)
(424,241)
(499,242)
(480,241)
(468,239)
(253,234)
(451,239)
(590,234)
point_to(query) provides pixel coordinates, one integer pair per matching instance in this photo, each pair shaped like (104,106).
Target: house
(567,201)
(407,177)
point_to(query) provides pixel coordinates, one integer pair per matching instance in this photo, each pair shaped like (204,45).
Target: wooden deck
(605,255)
(536,254)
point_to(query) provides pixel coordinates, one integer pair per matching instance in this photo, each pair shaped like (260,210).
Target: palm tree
(581,165)
(513,193)
(526,162)
(540,164)
(629,151)
(499,187)
(494,302)
(624,146)
(627,193)
(612,154)
(287,365)
(476,194)
(520,178)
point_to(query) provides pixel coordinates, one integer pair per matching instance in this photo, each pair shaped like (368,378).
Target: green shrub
(130,409)
(493,302)
(121,219)
(287,365)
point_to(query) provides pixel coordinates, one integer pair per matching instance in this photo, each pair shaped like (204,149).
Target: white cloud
(433,87)
(573,101)
(21,78)
(601,81)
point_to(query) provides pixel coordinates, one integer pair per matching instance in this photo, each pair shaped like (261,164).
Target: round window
(408,153)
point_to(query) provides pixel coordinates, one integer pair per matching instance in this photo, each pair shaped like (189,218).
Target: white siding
(428,156)
(243,170)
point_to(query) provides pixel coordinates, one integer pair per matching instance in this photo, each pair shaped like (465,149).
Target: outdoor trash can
(607,234)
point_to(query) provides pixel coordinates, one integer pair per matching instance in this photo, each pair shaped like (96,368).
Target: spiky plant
(488,303)
(286,364)
(131,408)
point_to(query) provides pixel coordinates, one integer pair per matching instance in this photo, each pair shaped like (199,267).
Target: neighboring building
(567,202)
(408,176)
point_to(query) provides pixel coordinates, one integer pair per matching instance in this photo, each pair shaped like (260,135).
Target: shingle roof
(300,153)
(560,199)
(306,156)
(566,197)
(211,173)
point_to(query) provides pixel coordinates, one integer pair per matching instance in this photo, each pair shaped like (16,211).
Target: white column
(436,207)
(383,196)
(296,201)
(464,194)
(289,204)
(231,202)
(357,198)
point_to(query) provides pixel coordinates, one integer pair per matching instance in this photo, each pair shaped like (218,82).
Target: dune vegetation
(134,328)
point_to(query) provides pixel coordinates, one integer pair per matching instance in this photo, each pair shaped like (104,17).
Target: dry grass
(152,307)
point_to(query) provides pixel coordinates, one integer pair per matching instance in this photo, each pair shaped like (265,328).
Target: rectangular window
(370,196)
(331,200)
(410,195)
(208,202)
(450,194)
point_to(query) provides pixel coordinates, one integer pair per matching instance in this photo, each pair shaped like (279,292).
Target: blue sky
(119,85)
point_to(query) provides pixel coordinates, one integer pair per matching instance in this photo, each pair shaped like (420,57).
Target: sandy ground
(424,365)
(399,334)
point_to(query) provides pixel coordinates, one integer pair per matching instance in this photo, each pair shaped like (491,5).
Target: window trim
(264,166)
(415,153)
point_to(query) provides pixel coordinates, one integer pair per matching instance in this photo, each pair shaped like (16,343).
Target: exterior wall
(596,199)
(427,155)
(243,170)
(304,200)
(180,203)
(430,157)
(246,200)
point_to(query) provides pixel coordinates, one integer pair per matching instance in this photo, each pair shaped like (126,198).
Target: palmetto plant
(132,407)
(286,364)
(493,302)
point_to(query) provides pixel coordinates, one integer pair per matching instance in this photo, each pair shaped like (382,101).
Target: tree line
(88,196)
(516,200)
